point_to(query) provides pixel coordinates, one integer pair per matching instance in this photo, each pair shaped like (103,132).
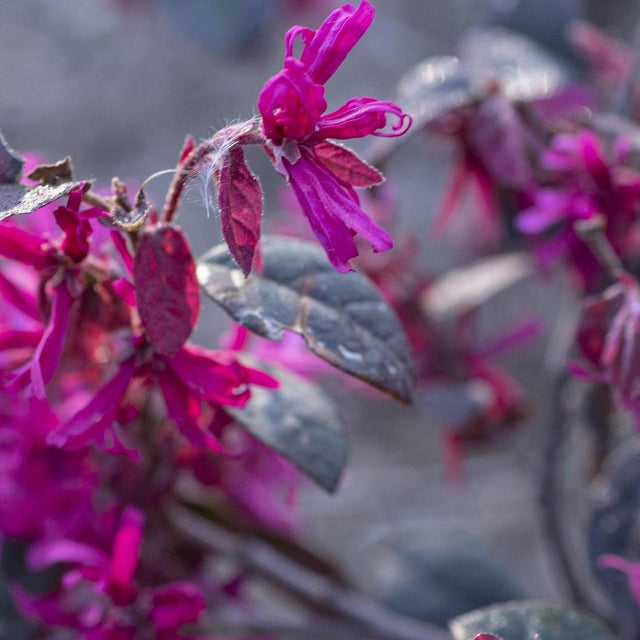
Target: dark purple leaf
(166,288)
(11,163)
(240,202)
(300,422)
(498,137)
(346,165)
(17,199)
(342,317)
(524,620)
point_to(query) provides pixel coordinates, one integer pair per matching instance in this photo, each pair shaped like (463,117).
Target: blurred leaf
(439,579)
(342,317)
(11,163)
(523,70)
(524,620)
(18,199)
(300,422)
(453,404)
(473,285)
(240,202)
(612,530)
(166,288)
(498,136)
(432,88)
(53,174)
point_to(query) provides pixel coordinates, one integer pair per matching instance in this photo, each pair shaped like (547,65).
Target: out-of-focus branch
(315,590)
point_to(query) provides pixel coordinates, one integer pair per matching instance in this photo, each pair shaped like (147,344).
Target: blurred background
(118,84)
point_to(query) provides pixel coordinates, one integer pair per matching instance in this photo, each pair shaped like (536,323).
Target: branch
(314,589)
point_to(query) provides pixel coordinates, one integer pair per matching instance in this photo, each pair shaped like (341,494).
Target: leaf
(300,422)
(18,199)
(524,620)
(439,576)
(498,136)
(432,88)
(166,288)
(11,163)
(53,174)
(133,218)
(342,317)
(473,285)
(523,70)
(240,202)
(612,530)
(453,404)
(346,165)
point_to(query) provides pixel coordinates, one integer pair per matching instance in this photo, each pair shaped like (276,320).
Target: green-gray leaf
(342,317)
(300,422)
(17,199)
(524,620)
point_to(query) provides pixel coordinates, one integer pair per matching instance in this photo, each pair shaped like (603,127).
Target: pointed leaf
(18,199)
(300,422)
(346,165)
(11,163)
(525,620)
(342,317)
(240,202)
(166,288)
(472,285)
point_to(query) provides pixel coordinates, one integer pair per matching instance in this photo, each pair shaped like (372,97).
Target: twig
(244,134)
(550,489)
(314,589)
(592,233)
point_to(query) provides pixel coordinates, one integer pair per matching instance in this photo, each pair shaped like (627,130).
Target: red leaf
(166,288)
(240,201)
(346,165)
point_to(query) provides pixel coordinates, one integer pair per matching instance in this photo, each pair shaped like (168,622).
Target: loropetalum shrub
(115,427)
(111,418)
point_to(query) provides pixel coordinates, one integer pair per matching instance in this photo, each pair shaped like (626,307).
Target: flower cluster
(298,129)
(98,423)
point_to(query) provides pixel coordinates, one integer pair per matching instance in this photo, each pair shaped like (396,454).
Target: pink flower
(588,183)
(192,378)
(632,569)
(93,574)
(292,107)
(608,341)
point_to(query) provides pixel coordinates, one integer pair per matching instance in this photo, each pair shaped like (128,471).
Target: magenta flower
(292,107)
(191,379)
(632,569)
(589,184)
(99,594)
(608,341)
(52,261)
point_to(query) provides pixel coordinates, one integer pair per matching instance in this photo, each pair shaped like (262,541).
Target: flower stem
(317,591)
(591,231)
